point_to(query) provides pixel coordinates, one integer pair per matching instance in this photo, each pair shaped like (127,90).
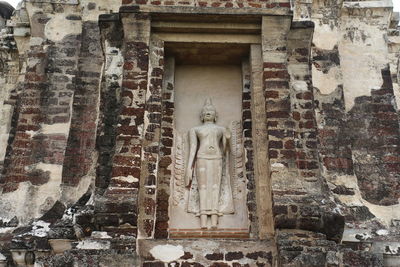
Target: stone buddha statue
(208,164)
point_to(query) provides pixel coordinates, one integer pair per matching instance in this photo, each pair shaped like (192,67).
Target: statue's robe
(225,205)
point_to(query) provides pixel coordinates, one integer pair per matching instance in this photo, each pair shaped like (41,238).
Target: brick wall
(373,130)
(211,3)
(118,204)
(152,138)
(45,101)
(79,155)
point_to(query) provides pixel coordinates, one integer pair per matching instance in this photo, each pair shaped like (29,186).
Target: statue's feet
(203,221)
(214,221)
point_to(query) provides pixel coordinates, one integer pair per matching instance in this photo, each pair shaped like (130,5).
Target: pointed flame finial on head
(208,106)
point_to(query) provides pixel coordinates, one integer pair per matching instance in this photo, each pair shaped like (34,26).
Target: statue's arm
(226,139)
(192,154)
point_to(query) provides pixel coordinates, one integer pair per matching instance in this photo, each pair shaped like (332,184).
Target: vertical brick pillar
(260,142)
(151,140)
(110,97)
(165,160)
(281,150)
(300,201)
(118,205)
(277,90)
(248,146)
(302,102)
(81,141)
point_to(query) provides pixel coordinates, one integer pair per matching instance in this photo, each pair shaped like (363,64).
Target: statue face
(208,115)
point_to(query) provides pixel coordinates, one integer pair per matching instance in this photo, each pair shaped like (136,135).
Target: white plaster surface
(102,7)
(100,235)
(5,120)
(384,213)
(325,37)
(5,230)
(382,232)
(2,257)
(39,228)
(356,235)
(396,90)
(277,165)
(55,128)
(326,82)
(193,84)
(363,54)
(93,244)
(40,198)
(299,86)
(167,253)
(128,179)
(59,27)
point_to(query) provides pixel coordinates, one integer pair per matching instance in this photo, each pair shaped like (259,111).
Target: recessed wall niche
(204,77)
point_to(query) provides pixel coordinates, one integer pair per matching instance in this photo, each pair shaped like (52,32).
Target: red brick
(309,124)
(273,154)
(310,165)
(271,94)
(149,206)
(10,187)
(289,144)
(126,160)
(281,74)
(128,130)
(31,110)
(33,77)
(278,114)
(126,171)
(296,115)
(275,144)
(288,154)
(22,144)
(128,65)
(308,115)
(272,65)
(394,159)
(337,163)
(24,128)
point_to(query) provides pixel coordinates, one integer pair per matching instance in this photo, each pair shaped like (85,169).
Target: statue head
(208,113)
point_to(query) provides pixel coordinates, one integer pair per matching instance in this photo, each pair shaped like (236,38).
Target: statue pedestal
(205,233)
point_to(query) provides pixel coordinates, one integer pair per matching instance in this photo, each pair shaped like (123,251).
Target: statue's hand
(228,134)
(188,177)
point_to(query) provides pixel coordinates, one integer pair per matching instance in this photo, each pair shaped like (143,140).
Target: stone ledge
(109,17)
(66,2)
(369,4)
(184,10)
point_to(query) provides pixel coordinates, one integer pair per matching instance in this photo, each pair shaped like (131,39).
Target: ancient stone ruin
(178,133)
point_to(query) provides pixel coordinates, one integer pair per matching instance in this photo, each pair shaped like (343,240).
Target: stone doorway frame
(267,55)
